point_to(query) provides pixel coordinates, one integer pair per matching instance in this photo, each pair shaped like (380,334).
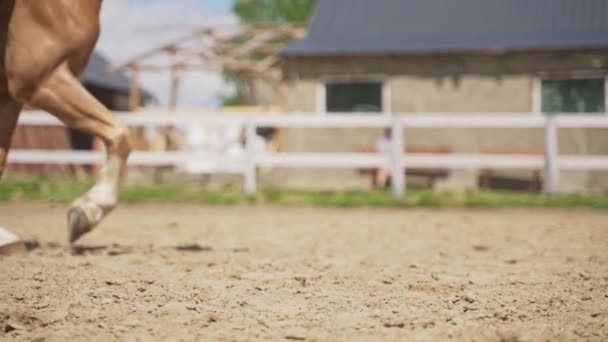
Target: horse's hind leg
(63,96)
(9,113)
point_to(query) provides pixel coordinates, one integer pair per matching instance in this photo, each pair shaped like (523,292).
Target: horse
(44,46)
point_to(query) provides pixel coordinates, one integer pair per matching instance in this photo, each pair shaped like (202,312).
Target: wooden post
(134,95)
(398,149)
(175,84)
(250,164)
(551,156)
(282,97)
(282,93)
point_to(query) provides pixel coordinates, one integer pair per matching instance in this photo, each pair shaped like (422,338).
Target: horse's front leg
(62,95)
(9,113)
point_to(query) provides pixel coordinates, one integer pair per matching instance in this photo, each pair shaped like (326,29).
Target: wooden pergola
(249,51)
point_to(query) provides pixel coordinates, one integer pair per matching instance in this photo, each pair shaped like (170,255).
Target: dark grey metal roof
(96,74)
(418,26)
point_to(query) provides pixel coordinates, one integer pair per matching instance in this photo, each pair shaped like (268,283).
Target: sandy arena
(184,273)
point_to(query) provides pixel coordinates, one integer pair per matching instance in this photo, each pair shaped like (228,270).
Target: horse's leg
(9,113)
(63,96)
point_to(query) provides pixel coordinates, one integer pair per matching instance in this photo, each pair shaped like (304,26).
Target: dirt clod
(301,280)
(481,248)
(11,326)
(469,299)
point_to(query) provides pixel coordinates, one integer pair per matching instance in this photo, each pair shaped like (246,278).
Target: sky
(129,27)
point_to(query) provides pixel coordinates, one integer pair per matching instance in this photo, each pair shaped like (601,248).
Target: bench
(429,174)
(488,179)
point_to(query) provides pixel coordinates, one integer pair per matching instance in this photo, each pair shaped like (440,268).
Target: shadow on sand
(110,249)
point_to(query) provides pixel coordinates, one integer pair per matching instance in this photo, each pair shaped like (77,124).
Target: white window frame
(321,91)
(537,86)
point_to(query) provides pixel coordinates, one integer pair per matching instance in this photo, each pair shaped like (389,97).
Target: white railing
(398,160)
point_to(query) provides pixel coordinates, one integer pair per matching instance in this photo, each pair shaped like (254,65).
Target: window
(356,96)
(580,95)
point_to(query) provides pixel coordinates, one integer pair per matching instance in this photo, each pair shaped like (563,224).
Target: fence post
(397,151)
(250,164)
(551,156)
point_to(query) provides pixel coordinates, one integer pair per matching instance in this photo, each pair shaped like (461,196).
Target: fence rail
(398,160)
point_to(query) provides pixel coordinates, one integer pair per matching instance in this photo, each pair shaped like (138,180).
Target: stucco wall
(455,84)
(468,93)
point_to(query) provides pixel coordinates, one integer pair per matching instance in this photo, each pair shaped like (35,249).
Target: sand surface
(184,273)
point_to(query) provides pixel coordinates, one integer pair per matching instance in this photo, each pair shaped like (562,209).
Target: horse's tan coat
(44,45)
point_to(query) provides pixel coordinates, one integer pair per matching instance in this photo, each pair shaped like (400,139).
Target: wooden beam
(205,53)
(258,40)
(160,49)
(134,94)
(267,63)
(252,44)
(183,66)
(208,49)
(231,65)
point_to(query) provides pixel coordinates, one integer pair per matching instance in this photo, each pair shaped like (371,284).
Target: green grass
(58,190)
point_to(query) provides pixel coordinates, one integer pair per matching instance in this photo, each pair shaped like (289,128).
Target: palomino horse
(44,45)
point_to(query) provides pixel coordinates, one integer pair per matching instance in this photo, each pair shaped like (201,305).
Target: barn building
(453,56)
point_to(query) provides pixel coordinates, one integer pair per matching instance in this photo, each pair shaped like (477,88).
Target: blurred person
(383,174)
(259,141)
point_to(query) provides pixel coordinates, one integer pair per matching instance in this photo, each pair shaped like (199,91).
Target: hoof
(79,224)
(10,243)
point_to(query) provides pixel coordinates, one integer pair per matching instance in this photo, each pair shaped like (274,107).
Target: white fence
(553,162)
